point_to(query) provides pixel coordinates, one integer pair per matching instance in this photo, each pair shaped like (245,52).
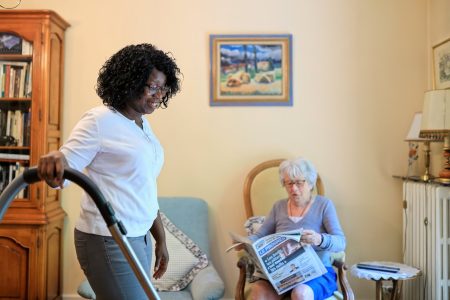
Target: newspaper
(282,259)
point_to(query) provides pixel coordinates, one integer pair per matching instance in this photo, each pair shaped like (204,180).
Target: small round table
(405,273)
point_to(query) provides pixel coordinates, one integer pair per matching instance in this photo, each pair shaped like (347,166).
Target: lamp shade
(435,115)
(414,130)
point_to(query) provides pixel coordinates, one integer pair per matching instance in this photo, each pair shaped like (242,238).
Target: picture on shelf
(10,44)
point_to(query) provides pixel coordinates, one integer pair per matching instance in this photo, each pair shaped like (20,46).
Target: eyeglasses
(297,183)
(154,89)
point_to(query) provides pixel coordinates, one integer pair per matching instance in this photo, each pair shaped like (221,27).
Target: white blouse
(124,161)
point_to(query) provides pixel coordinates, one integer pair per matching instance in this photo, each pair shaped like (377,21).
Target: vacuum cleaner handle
(31,176)
(116,227)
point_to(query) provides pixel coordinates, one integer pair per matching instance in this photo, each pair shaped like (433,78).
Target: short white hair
(296,168)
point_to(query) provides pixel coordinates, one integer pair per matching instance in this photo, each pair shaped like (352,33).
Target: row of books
(16,124)
(7,173)
(15,79)
(14,44)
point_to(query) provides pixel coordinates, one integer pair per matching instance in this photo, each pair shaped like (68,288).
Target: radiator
(426,240)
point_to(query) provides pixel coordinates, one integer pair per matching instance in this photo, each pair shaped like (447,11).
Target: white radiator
(426,240)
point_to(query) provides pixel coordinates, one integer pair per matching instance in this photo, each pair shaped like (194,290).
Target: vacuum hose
(115,226)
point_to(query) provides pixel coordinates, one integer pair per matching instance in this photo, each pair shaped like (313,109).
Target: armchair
(207,284)
(261,188)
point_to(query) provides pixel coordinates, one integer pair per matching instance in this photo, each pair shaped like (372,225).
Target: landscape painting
(251,70)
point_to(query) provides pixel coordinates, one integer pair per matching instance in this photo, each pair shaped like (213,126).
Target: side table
(405,273)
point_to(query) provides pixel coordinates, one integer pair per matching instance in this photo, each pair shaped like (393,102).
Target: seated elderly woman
(321,229)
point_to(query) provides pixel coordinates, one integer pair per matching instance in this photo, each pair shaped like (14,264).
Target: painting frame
(441,65)
(251,70)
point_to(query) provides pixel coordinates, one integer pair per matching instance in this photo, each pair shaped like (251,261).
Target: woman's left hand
(311,237)
(161,260)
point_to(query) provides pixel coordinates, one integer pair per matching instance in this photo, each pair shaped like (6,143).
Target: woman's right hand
(51,168)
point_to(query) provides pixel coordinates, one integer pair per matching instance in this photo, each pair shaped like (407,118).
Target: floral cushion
(186,259)
(253,223)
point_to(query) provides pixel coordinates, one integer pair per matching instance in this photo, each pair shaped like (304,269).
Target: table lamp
(413,140)
(436,125)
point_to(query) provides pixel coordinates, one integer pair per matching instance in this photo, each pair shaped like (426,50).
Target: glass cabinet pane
(15,107)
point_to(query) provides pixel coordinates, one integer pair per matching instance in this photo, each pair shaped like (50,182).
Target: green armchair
(190,215)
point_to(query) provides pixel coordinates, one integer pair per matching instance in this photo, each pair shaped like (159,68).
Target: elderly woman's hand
(311,237)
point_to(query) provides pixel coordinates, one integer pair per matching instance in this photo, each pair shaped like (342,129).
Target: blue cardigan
(321,217)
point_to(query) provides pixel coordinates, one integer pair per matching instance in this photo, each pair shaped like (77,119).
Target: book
(14,156)
(7,69)
(18,134)
(380,268)
(26,127)
(29,84)
(27,47)
(15,79)
(281,259)
(8,122)
(2,79)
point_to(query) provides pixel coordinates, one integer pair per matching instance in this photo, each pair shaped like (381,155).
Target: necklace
(301,212)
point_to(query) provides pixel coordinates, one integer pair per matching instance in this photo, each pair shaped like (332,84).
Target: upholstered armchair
(190,215)
(261,189)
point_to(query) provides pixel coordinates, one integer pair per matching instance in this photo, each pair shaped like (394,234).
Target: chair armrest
(246,269)
(207,284)
(240,285)
(346,289)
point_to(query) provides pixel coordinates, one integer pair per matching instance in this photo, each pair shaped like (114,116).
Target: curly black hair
(124,75)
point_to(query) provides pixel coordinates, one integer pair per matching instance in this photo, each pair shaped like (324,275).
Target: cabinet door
(18,263)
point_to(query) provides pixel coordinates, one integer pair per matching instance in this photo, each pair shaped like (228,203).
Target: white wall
(359,72)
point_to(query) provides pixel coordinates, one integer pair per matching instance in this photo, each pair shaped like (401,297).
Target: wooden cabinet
(31,230)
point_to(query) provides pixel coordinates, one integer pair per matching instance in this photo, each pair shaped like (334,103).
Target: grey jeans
(107,269)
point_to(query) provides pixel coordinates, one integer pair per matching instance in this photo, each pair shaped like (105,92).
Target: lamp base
(427,177)
(442,180)
(444,174)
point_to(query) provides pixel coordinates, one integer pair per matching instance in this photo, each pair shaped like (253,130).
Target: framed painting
(441,65)
(251,70)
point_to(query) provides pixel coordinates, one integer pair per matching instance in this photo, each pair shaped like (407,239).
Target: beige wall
(359,72)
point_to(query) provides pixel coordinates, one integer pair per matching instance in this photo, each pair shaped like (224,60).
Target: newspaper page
(283,260)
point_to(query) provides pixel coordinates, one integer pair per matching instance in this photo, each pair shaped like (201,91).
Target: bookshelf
(31,71)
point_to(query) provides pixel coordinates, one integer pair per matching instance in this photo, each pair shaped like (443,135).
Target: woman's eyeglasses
(154,89)
(297,183)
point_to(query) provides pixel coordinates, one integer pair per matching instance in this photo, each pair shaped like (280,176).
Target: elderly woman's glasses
(297,183)
(155,89)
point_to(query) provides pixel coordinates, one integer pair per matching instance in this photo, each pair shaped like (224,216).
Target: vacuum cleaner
(115,226)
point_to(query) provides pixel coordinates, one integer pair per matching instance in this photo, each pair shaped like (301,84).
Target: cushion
(207,285)
(251,227)
(186,259)
(253,223)
(85,290)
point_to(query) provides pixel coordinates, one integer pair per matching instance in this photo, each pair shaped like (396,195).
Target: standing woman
(118,150)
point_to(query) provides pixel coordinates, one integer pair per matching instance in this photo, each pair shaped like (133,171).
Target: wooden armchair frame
(244,263)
